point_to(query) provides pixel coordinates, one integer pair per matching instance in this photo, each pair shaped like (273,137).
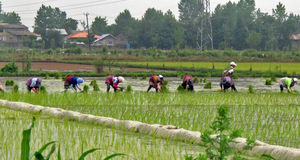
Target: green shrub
(250,90)
(9,83)
(196,80)
(16,88)
(56,75)
(10,68)
(207,85)
(268,82)
(129,88)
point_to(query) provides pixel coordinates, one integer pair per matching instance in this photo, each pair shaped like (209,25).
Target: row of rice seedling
(74,139)
(244,66)
(270,117)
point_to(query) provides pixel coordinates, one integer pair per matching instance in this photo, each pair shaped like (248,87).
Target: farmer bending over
(287,83)
(154,81)
(114,82)
(73,82)
(188,80)
(34,84)
(227,78)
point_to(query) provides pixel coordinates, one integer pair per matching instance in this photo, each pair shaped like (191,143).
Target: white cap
(121,79)
(233,64)
(160,76)
(295,79)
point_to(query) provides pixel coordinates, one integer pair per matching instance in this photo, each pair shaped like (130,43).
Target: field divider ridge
(162,131)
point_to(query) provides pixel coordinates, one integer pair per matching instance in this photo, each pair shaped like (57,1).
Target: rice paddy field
(270,117)
(244,66)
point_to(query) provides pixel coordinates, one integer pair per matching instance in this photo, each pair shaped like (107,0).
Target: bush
(207,85)
(56,75)
(268,82)
(16,88)
(9,83)
(129,88)
(10,68)
(250,90)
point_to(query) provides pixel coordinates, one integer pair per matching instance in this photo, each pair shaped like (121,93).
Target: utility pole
(204,32)
(88,27)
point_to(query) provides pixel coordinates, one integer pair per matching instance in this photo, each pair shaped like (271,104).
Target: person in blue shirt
(73,82)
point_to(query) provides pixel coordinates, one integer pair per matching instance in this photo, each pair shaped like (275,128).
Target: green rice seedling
(43,89)
(56,75)
(129,89)
(207,85)
(180,88)
(46,76)
(16,88)
(9,83)
(85,89)
(135,76)
(144,77)
(95,85)
(196,80)
(93,82)
(250,90)
(268,82)
(204,80)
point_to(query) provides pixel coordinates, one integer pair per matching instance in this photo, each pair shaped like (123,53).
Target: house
(295,41)
(79,36)
(14,34)
(111,41)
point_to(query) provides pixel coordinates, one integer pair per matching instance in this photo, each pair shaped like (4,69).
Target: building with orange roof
(78,36)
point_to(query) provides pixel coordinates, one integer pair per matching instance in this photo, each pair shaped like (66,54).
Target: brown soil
(69,67)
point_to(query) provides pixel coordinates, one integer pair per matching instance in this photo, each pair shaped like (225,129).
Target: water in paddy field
(242,84)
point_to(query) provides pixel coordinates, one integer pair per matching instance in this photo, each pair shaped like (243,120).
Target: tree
(254,40)
(70,25)
(10,17)
(99,25)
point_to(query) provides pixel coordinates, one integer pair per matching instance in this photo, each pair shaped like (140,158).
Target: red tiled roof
(80,35)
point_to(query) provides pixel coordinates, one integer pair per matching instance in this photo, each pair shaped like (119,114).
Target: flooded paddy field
(242,84)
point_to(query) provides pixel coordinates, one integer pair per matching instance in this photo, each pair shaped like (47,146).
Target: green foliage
(129,88)
(196,80)
(180,88)
(217,146)
(144,77)
(10,68)
(85,89)
(10,18)
(207,85)
(250,90)
(46,76)
(16,88)
(9,83)
(25,146)
(95,85)
(99,64)
(135,76)
(75,50)
(99,25)
(268,82)
(56,75)
(273,79)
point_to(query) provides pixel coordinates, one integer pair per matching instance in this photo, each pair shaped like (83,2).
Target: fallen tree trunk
(163,131)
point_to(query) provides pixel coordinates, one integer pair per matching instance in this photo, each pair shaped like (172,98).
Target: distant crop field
(245,66)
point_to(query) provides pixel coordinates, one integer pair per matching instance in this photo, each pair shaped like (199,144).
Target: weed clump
(196,80)
(9,83)
(129,89)
(16,88)
(250,90)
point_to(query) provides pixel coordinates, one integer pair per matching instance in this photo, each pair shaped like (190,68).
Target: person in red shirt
(114,82)
(154,81)
(188,80)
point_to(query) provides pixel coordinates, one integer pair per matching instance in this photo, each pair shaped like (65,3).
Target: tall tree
(99,26)
(70,25)
(10,17)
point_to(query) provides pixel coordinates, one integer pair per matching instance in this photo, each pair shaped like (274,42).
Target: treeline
(236,26)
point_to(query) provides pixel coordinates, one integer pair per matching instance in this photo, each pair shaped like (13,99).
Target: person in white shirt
(227,78)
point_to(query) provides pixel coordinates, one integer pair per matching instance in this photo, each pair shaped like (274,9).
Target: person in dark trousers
(114,81)
(227,78)
(34,84)
(287,83)
(73,82)
(154,81)
(188,81)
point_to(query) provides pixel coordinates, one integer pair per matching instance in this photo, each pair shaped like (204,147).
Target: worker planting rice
(34,84)
(227,78)
(73,82)
(287,83)
(113,81)
(188,81)
(154,81)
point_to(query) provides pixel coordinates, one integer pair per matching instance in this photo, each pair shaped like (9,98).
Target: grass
(269,117)
(243,66)
(75,138)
